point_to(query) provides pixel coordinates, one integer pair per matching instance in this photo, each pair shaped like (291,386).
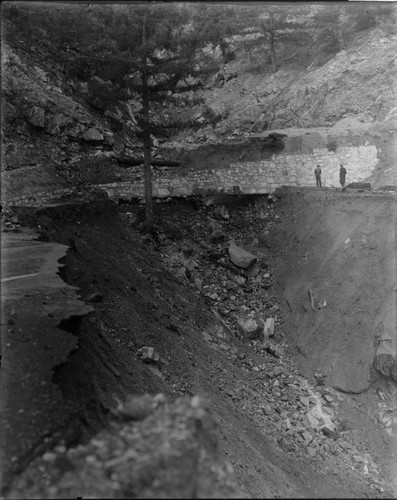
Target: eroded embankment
(145,293)
(340,246)
(39,311)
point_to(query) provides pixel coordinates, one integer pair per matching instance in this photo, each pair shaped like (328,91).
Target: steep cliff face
(358,82)
(47,118)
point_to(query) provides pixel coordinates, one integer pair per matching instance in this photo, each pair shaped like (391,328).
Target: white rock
(249,328)
(269,328)
(240,257)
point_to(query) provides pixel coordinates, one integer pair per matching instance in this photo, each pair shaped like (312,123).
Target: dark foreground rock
(153,449)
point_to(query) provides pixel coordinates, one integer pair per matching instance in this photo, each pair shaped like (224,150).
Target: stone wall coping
(262,176)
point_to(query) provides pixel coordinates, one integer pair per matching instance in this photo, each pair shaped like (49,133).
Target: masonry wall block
(257,177)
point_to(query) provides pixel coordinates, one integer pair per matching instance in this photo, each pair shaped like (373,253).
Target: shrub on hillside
(365,22)
(332,146)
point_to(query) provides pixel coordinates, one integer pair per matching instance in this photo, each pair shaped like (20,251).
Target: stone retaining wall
(246,177)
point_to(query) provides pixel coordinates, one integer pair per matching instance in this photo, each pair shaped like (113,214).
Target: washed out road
(35,300)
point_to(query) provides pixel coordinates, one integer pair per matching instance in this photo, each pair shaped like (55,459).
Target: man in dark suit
(317,173)
(342,177)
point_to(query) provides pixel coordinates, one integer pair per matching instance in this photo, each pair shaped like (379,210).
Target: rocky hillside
(358,82)
(180,315)
(52,121)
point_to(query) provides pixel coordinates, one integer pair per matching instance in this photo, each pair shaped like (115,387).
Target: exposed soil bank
(142,296)
(342,247)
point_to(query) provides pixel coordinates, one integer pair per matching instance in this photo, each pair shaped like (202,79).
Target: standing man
(342,177)
(317,173)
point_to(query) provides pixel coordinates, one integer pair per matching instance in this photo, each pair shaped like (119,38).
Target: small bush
(332,146)
(365,22)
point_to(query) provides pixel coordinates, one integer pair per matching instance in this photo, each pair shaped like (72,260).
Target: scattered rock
(249,328)
(56,122)
(222,212)
(277,370)
(240,257)
(313,421)
(312,451)
(93,135)
(95,297)
(148,354)
(385,360)
(198,282)
(273,350)
(36,116)
(330,433)
(307,437)
(217,236)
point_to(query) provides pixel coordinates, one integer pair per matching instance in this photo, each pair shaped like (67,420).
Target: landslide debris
(167,312)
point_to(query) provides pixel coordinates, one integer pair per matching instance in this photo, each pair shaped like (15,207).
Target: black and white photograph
(198,249)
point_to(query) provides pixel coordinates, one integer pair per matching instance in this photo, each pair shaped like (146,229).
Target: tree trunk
(148,225)
(273,52)
(146,154)
(272,44)
(339,32)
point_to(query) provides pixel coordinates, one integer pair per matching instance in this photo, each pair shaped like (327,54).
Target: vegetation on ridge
(161,54)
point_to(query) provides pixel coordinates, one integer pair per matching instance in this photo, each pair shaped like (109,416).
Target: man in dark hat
(317,174)
(342,177)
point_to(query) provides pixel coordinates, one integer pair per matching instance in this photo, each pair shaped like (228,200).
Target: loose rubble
(301,418)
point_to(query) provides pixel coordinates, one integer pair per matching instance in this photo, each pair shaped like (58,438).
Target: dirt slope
(341,245)
(142,296)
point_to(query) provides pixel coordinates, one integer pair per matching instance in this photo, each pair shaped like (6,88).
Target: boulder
(93,135)
(240,257)
(277,370)
(36,116)
(221,212)
(210,113)
(249,328)
(115,120)
(149,354)
(217,236)
(198,282)
(56,122)
(385,360)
